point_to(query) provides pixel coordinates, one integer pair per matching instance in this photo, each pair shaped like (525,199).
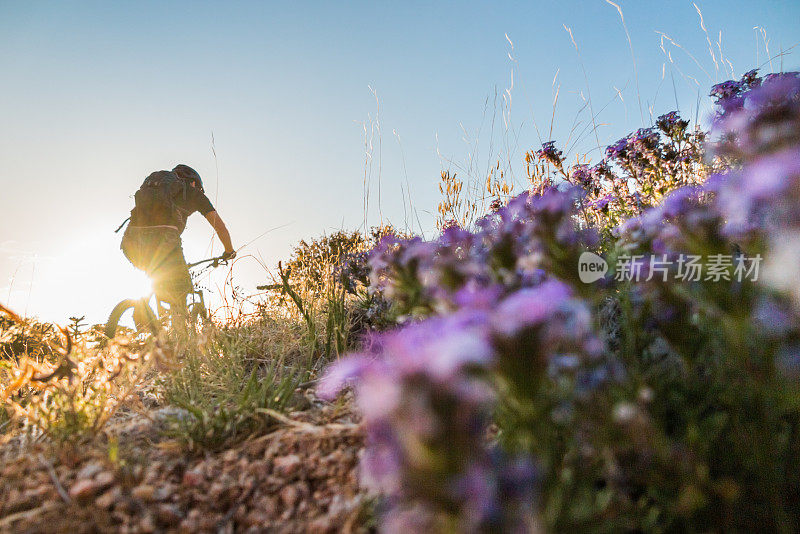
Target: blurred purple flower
(477,297)
(766,119)
(680,200)
(343,373)
(529,306)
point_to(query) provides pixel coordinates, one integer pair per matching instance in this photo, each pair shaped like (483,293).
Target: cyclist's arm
(216,223)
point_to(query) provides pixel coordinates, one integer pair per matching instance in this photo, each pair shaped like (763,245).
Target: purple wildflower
(529,307)
(450,223)
(581,175)
(751,78)
(643,140)
(474,296)
(600,171)
(725,90)
(680,200)
(343,374)
(602,202)
(550,153)
(618,149)
(671,124)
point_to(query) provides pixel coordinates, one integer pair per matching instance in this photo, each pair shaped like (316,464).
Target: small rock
(191,523)
(169,514)
(39,492)
(193,478)
(256,518)
(89,470)
(287,466)
(164,492)
(104,479)
(84,489)
(124,506)
(17,502)
(217,490)
(137,472)
(144,492)
(320,525)
(147,524)
(338,506)
(153,472)
(107,499)
(171,412)
(289,495)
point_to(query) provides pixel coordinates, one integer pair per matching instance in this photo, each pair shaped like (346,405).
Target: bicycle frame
(162,311)
(143,312)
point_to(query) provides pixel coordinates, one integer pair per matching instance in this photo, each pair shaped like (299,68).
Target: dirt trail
(302,477)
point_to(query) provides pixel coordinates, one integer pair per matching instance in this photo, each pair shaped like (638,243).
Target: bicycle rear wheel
(143,316)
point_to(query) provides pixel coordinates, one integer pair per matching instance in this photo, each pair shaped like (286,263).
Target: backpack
(155,201)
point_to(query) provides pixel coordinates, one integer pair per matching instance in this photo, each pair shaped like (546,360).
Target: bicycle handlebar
(215,262)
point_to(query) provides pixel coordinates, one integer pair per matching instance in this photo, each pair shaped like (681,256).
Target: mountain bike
(147,319)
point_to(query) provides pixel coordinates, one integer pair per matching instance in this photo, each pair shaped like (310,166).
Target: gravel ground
(302,477)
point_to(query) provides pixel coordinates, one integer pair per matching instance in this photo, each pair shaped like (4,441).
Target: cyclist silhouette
(152,240)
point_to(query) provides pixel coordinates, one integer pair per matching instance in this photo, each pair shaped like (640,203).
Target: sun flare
(140,285)
(89,275)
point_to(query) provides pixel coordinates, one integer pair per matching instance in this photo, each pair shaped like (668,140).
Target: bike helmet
(189,175)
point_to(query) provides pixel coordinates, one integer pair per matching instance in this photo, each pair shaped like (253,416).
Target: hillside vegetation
(487,380)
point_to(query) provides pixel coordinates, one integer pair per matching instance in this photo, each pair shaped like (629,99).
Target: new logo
(591,267)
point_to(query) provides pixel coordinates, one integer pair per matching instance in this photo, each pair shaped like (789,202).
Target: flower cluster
(427,406)
(353,271)
(636,173)
(727,95)
(509,249)
(550,153)
(672,125)
(760,121)
(752,209)
(513,396)
(760,199)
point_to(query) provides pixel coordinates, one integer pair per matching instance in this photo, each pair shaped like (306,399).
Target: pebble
(104,479)
(89,470)
(164,492)
(287,466)
(289,495)
(144,492)
(147,525)
(193,478)
(169,514)
(320,525)
(84,489)
(107,499)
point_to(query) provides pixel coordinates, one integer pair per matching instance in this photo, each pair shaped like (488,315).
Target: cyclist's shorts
(158,252)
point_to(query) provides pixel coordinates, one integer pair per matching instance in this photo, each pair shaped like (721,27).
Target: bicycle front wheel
(144,318)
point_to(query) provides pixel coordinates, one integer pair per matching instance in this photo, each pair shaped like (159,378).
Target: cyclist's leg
(137,247)
(140,246)
(171,280)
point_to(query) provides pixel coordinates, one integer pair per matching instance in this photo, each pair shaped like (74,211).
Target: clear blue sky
(96,95)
